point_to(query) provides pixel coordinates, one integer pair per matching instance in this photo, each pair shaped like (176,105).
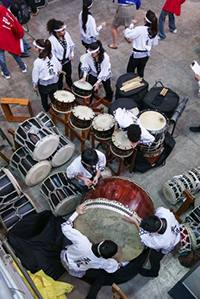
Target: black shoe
(24,55)
(195,129)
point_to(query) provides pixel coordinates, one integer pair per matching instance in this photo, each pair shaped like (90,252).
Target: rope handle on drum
(158,82)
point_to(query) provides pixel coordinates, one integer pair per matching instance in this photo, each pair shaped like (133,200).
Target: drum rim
(156,132)
(43,144)
(165,186)
(12,179)
(103,129)
(79,128)
(68,146)
(59,205)
(67,92)
(86,108)
(83,82)
(59,111)
(120,156)
(29,174)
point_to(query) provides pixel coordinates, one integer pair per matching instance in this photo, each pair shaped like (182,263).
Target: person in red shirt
(171,8)
(10,34)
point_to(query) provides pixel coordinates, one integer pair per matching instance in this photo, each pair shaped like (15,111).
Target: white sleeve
(92,28)
(148,241)
(35,73)
(110,265)
(105,72)
(132,32)
(102,160)
(58,65)
(72,171)
(71,45)
(85,66)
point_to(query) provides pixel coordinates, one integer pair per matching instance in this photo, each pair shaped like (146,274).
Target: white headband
(161,225)
(37,46)
(60,29)
(93,51)
(98,248)
(90,6)
(147,19)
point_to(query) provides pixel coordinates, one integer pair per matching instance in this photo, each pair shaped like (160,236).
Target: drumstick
(36,91)
(129,85)
(132,80)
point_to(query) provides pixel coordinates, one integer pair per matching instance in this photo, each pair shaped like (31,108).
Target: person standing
(144,37)
(10,34)
(34,10)
(46,70)
(62,48)
(196,129)
(89,30)
(97,65)
(170,9)
(161,233)
(124,15)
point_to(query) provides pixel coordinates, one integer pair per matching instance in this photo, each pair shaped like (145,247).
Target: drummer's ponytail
(153,24)
(54,24)
(86,6)
(46,44)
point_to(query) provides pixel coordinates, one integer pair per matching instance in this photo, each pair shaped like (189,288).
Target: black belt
(141,51)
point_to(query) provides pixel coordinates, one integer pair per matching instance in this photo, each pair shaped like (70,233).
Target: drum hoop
(87,108)
(167,188)
(69,147)
(59,111)
(120,156)
(12,179)
(83,82)
(163,129)
(35,166)
(59,205)
(149,155)
(115,142)
(101,138)
(36,152)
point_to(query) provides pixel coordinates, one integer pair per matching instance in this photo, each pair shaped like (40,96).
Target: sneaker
(160,38)
(5,76)
(36,13)
(174,31)
(25,70)
(23,55)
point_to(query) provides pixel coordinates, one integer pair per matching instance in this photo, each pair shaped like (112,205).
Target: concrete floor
(169,62)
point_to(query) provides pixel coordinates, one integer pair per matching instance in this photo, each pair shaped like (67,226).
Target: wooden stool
(190,199)
(58,116)
(122,161)
(82,136)
(5,102)
(117,292)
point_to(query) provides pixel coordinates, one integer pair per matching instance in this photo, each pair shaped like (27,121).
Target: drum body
(32,171)
(187,238)
(64,101)
(82,89)
(45,120)
(38,140)
(124,191)
(173,191)
(61,194)
(9,188)
(81,117)
(103,126)
(13,213)
(120,145)
(103,220)
(157,125)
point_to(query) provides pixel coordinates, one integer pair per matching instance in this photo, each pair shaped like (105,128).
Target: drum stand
(105,144)
(190,199)
(65,120)
(122,162)
(82,136)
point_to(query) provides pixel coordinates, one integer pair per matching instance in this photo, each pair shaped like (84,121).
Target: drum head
(46,147)
(38,173)
(12,179)
(121,141)
(153,121)
(100,223)
(67,205)
(63,155)
(103,122)
(64,96)
(83,112)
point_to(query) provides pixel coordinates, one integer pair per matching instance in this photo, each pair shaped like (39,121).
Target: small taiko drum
(120,144)
(187,238)
(45,120)
(17,210)
(173,191)
(103,220)
(125,191)
(194,215)
(187,181)
(64,101)
(62,195)
(38,140)
(103,126)
(82,89)
(31,171)
(9,188)
(195,173)
(81,117)
(157,124)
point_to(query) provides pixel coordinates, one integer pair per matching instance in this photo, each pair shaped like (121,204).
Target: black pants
(155,257)
(32,5)
(106,84)
(67,68)
(138,63)
(46,91)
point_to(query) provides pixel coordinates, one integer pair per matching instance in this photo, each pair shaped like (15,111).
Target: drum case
(136,94)
(166,104)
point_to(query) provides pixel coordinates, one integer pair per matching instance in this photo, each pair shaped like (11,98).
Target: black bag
(23,15)
(166,104)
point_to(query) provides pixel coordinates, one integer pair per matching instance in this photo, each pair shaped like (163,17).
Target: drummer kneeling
(87,168)
(82,255)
